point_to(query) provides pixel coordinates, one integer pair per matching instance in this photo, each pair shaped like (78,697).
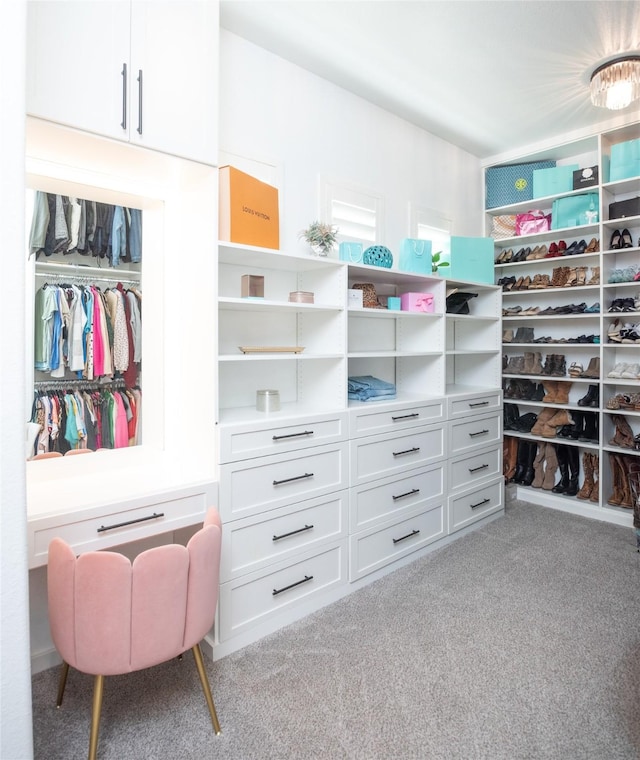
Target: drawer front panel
(482,402)
(253,543)
(471,506)
(117,525)
(247,488)
(381,456)
(476,467)
(366,421)
(384,500)
(243,441)
(474,433)
(248,601)
(373,549)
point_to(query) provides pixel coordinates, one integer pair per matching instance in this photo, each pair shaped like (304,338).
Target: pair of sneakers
(628,370)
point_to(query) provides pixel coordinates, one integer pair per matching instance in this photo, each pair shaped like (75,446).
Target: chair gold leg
(64,672)
(197,656)
(98,687)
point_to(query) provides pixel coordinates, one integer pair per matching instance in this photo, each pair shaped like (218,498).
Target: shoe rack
(571,332)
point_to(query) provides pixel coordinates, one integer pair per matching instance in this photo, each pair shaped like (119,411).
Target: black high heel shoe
(626,241)
(616,239)
(572,249)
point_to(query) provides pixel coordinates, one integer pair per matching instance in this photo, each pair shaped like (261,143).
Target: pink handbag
(532,222)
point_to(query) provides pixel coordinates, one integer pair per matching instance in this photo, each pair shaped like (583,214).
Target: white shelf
(255,304)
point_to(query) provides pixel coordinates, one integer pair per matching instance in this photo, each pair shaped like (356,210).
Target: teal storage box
(625,160)
(471,259)
(574,211)
(505,185)
(553,181)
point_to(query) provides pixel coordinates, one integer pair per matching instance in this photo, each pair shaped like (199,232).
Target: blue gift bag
(351,252)
(415,256)
(574,211)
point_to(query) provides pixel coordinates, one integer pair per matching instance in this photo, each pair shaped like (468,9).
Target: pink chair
(109,616)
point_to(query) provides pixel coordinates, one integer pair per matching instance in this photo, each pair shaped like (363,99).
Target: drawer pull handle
(291,435)
(408,451)
(292,533)
(479,403)
(102,528)
(409,535)
(477,469)
(480,503)
(292,585)
(479,432)
(139,127)
(123,123)
(408,493)
(406,417)
(290,480)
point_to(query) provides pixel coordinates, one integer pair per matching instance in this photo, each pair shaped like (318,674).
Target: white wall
(15,684)
(274,111)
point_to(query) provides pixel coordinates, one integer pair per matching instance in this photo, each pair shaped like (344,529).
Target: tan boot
(545,415)
(509,456)
(595,491)
(538,466)
(587,486)
(562,392)
(625,487)
(624,435)
(550,391)
(551,467)
(595,276)
(560,418)
(616,496)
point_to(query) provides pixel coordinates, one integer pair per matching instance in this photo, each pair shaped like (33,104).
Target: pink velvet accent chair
(109,616)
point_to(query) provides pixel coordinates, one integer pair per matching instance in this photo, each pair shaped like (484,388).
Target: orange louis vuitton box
(248,210)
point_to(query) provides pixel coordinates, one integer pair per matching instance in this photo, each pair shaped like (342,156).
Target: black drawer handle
(408,451)
(406,417)
(408,493)
(409,535)
(292,533)
(477,469)
(480,432)
(479,403)
(291,435)
(480,503)
(293,585)
(155,515)
(290,480)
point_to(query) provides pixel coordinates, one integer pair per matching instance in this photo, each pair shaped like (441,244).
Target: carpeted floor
(518,641)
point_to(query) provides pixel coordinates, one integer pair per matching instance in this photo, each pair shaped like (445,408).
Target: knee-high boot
(563,463)
(521,461)
(574,470)
(538,466)
(529,472)
(510,457)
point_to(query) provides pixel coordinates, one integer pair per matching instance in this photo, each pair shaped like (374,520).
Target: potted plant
(321,237)
(436,263)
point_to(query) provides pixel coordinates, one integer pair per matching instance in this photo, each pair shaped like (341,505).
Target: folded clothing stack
(369,388)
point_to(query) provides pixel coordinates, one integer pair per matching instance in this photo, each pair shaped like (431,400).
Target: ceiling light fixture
(616,83)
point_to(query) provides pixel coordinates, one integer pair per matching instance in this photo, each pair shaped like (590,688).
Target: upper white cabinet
(142,72)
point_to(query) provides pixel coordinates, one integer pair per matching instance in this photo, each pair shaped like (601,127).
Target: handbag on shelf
(532,222)
(504,226)
(415,256)
(351,252)
(458,302)
(378,256)
(369,295)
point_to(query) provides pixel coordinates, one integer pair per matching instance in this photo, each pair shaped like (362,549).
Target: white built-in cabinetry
(329,493)
(591,151)
(136,71)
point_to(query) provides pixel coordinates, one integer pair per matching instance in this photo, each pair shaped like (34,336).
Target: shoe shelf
(614,270)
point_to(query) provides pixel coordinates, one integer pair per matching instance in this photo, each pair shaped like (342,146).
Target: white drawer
(253,543)
(256,439)
(476,504)
(248,601)
(382,455)
(390,498)
(474,432)
(109,526)
(474,404)
(475,467)
(247,488)
(365,420)
(377,547)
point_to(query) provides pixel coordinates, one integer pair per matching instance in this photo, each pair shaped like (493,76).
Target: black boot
(511,414)
(521,462)
(592,398)
(578,424)
(529,472)
(574,470)
(590,432)
(563,464)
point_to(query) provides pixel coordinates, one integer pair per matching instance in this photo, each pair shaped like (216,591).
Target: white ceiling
(488,75)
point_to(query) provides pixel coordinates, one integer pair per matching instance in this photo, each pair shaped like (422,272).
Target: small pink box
(417,302)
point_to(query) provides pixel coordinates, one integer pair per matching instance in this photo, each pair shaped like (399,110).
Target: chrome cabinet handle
(290,480)
(139,129)
(123,123)
(409,535)
(154,516)
(407,451)
(292,533)
(306,579)
(408,493)
(291,435)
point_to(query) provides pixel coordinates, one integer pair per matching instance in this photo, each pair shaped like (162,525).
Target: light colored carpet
(520,641)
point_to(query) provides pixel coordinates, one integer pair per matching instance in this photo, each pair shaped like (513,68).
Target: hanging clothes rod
(74,385)
(84,279)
